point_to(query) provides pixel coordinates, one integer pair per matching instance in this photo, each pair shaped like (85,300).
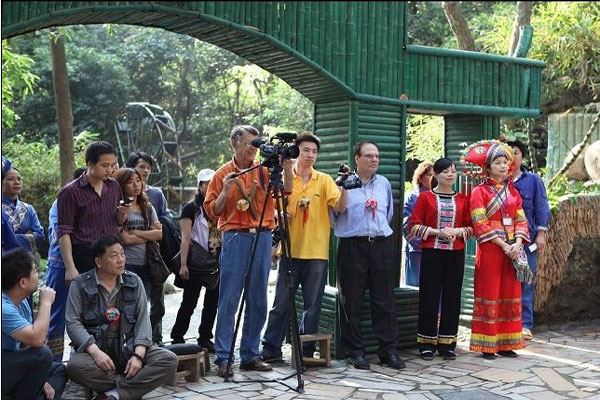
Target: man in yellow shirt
(308,208)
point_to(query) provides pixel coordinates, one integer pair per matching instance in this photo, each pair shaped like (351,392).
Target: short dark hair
(97,149)
(78,172)
(359,145)
(135,157)
(441,164)
(16,264)
(519,145)
(100,245)
(308,137)
(239,130)
(5,172)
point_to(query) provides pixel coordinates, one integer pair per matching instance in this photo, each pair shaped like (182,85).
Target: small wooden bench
(324,342)
(192,367)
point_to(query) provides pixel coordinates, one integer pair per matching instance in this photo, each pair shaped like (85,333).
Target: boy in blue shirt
(535,204)
(27,368)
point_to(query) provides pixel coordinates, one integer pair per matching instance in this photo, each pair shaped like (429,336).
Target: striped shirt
(86,216)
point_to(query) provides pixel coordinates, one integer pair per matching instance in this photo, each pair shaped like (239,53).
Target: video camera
(275,153)
(346,179)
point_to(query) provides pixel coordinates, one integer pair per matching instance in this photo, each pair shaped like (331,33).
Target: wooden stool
(324,341)
(191,366)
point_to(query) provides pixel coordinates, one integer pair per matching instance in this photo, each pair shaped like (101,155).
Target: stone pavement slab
(560,363)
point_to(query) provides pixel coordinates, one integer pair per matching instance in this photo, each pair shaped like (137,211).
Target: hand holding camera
(346,179)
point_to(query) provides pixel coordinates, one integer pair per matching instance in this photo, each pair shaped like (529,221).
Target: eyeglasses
(371,156)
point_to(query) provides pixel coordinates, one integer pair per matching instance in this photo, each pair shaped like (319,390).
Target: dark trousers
(360,265)
(82,257)
(441,273)
(191,294)
(156,297)
(24,373)
(311,274)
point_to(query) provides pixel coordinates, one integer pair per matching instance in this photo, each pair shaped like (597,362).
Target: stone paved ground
(561,362)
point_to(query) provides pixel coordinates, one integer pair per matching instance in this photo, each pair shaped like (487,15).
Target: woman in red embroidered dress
(442,220)
(501,229)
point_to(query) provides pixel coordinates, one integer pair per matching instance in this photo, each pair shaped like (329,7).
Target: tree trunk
(62,99)
(459,25)
(524,9)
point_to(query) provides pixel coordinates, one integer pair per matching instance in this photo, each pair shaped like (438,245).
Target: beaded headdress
(483,153)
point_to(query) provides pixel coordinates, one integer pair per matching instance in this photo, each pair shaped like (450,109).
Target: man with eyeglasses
(364,260)
(237,201)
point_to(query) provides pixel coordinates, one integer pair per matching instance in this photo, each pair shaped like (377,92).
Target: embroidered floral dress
(496,211)
(25,223)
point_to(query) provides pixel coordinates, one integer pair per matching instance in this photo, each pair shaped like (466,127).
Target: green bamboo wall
(326,50)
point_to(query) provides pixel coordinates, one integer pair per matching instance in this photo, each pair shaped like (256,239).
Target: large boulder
(577,170)
(592,161)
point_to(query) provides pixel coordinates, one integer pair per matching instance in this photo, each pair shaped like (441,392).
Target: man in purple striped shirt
(88,208)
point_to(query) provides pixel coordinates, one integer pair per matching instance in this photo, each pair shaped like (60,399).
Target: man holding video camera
(364,259)
(236,201)
(314,193)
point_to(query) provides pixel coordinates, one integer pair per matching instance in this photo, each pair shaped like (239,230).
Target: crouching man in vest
(109,326)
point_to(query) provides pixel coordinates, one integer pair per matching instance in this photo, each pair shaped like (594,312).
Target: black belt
(369,239)
(252,230)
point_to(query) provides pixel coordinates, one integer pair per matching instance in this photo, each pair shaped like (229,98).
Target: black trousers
(441,274)
(83,257)
(191,294)
(365,265)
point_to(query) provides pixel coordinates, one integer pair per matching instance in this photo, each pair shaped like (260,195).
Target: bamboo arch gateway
(353,61)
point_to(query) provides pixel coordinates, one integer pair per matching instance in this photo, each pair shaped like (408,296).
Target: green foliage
(17,80)
(206,89)
(425,137)
(566,37)
(563,190)
(39,166)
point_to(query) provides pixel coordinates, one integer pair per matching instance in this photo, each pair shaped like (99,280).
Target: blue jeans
(413,267)
(312,275)
(55,278)
(528,292)
(234,263)
(24,373)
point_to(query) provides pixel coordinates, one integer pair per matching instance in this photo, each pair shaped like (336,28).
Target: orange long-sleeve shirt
(230,217)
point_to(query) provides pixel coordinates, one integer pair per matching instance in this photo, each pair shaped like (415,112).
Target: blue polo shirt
(535,202)
(14,317)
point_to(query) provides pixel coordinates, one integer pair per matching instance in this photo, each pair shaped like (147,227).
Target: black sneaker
(427,355)
(209,345)
(270,358)
(489,356)
(448,355)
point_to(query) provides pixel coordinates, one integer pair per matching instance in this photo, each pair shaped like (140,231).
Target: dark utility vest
(93,314)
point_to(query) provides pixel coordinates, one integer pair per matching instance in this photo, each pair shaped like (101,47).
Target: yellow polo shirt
(309,230)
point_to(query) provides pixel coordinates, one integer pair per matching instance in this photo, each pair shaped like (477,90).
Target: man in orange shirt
(237,201)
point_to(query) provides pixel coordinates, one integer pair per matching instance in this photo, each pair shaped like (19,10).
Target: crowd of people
(100,286)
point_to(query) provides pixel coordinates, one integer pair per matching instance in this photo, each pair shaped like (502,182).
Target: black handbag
(159,272)
(202,265)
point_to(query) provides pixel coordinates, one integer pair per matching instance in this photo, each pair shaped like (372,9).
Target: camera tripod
(276,187)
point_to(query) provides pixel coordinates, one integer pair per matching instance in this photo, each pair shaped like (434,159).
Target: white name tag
(506,221)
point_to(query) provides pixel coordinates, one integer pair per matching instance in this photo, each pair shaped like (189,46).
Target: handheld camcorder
(275,153)
(346,179)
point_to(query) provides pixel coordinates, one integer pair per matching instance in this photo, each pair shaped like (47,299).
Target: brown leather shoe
(256,365)
(223,371)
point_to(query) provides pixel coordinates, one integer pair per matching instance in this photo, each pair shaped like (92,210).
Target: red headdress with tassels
(483,153)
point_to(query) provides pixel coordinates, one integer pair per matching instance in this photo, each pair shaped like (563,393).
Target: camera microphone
(286,136)
(257,142)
